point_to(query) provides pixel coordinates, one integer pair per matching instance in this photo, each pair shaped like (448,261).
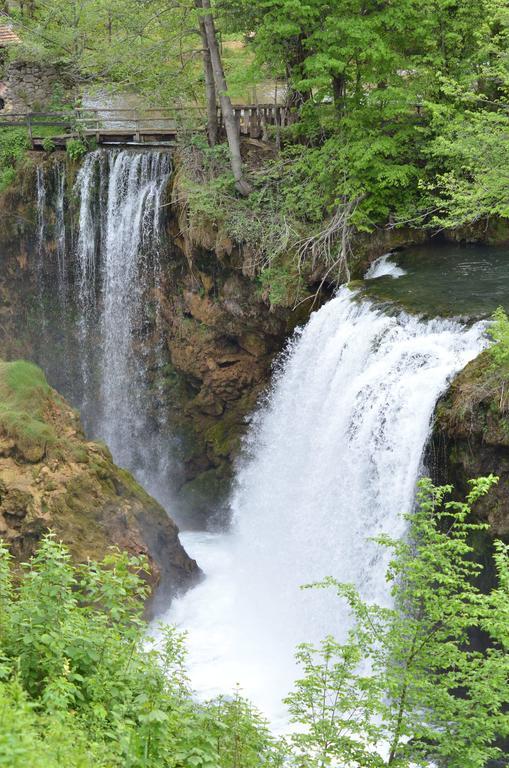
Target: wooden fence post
(29,126)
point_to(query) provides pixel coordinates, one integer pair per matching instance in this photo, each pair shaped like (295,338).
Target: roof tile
(7,36)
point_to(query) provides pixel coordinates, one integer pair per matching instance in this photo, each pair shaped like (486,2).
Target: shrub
(48,144)
(13,146)
(499,332)
(81,687)
(76,149)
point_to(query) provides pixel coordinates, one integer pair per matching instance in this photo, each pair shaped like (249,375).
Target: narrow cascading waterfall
(118,273)
(104,347)
(40,238)
(332,459)
(41,204)
(60,230)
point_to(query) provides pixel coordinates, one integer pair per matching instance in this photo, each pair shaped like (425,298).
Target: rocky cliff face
(471,436)
(52,478)
(223,335)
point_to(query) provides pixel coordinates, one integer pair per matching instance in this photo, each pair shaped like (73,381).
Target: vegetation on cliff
(52,477)
(394,122)
(393,119)
(471,431)
(13,146)
(80,686)
(26,401)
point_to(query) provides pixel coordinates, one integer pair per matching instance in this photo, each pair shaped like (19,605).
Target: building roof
(7,36)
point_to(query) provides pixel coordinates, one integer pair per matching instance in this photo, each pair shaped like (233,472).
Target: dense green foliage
(358,70)
(499,332)
(408,688)
(81,686)
(13,145)
(399,116)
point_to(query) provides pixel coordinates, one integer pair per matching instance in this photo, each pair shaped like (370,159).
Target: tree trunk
(210,88)
(296,57)
(230,122)
(339,92)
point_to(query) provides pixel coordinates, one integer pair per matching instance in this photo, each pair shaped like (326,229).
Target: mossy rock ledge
(52,478)
(471,437)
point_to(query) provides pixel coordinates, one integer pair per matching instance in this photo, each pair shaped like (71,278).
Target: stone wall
(28,86)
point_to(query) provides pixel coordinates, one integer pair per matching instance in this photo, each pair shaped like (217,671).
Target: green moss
(103,449)
(282,283)
(79,454)
(223,437)
(24,380)
(25,396)
(127,486)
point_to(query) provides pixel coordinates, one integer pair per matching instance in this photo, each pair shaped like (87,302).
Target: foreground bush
(80,688)
(422,683)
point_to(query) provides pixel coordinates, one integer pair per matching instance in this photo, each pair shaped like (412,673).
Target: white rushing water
(384,266)
(100,338)
(333,457)
(118,279)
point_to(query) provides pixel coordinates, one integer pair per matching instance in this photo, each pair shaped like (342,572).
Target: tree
(409,688)
(230,123)
(210,87)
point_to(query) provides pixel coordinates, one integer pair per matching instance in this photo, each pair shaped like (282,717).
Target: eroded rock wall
(221,332)
(471,437)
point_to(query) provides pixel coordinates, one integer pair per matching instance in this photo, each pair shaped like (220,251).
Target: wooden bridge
(147,127)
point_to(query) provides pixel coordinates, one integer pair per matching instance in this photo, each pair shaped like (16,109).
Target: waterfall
(118,273)
(60,233)
(40,254)
(104,347)
(41,203)
(332,459)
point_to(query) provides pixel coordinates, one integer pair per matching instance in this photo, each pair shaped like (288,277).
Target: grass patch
(14,144)
(25,402)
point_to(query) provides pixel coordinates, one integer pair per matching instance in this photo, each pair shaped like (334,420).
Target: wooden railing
(90,119)
(160,124)
(31,120)
(252,120)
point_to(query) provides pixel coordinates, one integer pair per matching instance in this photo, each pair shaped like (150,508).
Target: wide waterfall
(332,459)
(105,348)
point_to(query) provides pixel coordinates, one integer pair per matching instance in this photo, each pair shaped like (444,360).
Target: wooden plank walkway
(144,127)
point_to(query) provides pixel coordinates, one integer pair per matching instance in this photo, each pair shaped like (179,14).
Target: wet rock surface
(221,334)
(471,437)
